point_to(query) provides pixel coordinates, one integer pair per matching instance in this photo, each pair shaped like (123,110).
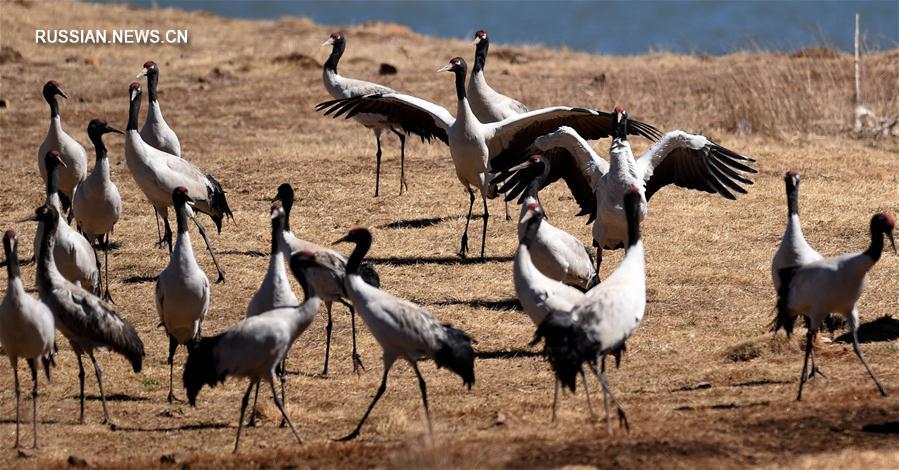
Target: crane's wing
(694,162)
(507,139)
(413,115)
(95,319)
(567,156)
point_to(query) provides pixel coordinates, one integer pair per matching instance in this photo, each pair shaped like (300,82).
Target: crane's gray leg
(328,329)
(402,138)
(99,373)
(14,362)
(280,405)
(463,251)
(622,417)
(243,409)
(555,399)
(173,346)
(508,215)
(202,230)
(378,162)
(598,263)
(484,231)
(357,360)
(809,336)
(388,363)
(105,248)
(252,422)
(282,376)
(163,212)
(424,396)
(587,392)
(34,394)
(158,231)
(853,325)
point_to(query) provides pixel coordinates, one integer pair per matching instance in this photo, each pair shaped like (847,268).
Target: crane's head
(180,197)
(46,214)
(149,68)
(620,124)
(52,89)
(98,127)
(285,194)
(134,90)
(335,39)
(791,180)
(53,159)
(9,241)
(356,235)
(884,223)
(479,37)
(456,65)
(277,210)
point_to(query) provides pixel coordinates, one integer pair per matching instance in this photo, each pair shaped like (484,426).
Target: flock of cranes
(498,146)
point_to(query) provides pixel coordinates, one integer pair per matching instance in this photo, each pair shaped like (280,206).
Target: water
(612,27)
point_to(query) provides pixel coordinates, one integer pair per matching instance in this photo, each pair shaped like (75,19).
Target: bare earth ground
(241,97)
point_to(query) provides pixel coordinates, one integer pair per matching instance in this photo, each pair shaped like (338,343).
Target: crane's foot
(348,437)
(357,364)
(622,421)
(221,278)
(108,297)
(815,373)
(463,250)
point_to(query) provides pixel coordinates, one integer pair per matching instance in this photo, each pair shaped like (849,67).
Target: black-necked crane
(327,275)
(253,348)
(539,294)
(486,103)
(831,286)
(558,254)
(793,250)
(403,329)
(26,331)
(471,143)
(182,288)
(156,132)
(97,202)
(679,158)
(341,87)
(158,173)
(607,316)
(275,290)
(71,152)
(76,259)
(83,318)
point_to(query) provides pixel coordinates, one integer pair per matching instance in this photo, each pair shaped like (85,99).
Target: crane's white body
(157,134)
(158,173)
(74,256)
(488,104)
(539,294)
(275,290)
(97,202)
(27,327)
(558,254)
(182,292)
(70,152)
(830,285)
(342,87)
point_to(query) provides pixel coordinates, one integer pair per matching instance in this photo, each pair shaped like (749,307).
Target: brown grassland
(704,381)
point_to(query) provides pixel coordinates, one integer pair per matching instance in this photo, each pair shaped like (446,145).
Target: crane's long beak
(527,164)
(30,218)
(344,239)
(113,129)
(446,68)
(329,42)
(133,94)
(62,94)
(143,73)
(477,40)
(892,241)
(62,163)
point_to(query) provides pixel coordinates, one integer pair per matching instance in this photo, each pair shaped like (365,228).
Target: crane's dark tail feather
(456,354)
(200,368)
(369,275)
(562,347)
(218,203)
(784,318)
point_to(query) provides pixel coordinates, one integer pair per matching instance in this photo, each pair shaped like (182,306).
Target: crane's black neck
(287,204)
(12,259)
(52,166)
(620,131)
(460,83)
(99,147)
(336,53)
(480,56)
(181,216)
(792,199)
(54,105)
(133,111)
(296,267)
(362,247)
(277,228)
(875,249)
(632,213)
(45,251)
(152,82)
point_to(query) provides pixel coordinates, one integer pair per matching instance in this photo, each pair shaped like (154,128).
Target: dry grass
(251,123)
